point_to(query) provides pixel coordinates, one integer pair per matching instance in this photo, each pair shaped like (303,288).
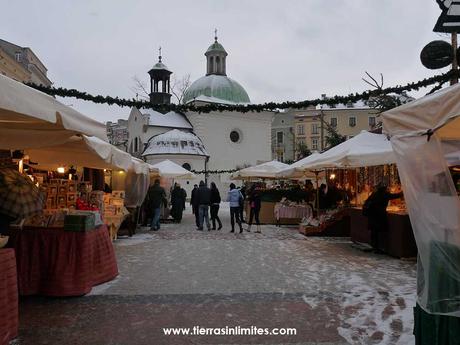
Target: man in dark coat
(177,202)
(376,206)
(204,201)
(194,204)
(156,198)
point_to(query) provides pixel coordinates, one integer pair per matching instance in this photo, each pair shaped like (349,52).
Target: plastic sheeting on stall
(135,186)
(419,131)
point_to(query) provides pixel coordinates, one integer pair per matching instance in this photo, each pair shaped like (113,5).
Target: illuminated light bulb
(332,176)
(61,170)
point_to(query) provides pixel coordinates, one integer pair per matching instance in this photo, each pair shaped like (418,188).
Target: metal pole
(454,79)
(317,193)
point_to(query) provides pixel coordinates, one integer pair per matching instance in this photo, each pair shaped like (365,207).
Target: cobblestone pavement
(329,291)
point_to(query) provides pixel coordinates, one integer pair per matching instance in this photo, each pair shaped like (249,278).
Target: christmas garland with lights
(213,172)
(63,92)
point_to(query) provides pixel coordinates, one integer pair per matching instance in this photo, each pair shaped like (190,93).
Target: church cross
(215,34)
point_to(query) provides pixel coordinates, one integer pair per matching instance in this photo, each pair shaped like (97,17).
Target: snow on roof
(171,119)
(175,142)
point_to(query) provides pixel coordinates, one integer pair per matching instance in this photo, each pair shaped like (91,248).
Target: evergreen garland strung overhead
(63,92)
(214,172)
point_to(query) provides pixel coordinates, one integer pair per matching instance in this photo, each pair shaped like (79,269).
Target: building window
(187,166)
(18,56)
(314,128)
(333,122)
(352,121)
(300,130)
(136,144)
(281,156)
(279,137)
(301,141)
(371,121)
(314,143)
(235,136)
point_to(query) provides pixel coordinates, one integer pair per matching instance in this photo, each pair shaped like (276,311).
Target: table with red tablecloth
(8,296)
(54,262)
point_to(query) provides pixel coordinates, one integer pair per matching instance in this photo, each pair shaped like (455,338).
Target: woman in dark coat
(215,204)
(255,204)
(177,203)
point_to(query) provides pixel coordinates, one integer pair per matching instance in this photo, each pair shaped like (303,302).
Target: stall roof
(365,149)
(297,170)
(169,169)
(86,151)
(30,118)
(437,112)
(264,170)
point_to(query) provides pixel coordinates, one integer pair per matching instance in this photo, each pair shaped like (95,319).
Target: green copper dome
(216,89)
(216,46)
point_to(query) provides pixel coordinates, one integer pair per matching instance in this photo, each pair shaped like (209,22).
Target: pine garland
(63,92)
(212,172)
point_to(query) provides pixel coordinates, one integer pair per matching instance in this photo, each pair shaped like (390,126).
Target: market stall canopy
(422,133)
(365,149)
(90,152)
(170,169)
(266,170)
(298,169)
(438,112)
(30,118)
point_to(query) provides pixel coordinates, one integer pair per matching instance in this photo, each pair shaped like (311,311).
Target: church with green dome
(215,86)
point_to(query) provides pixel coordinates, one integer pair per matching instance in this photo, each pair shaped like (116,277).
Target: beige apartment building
(21,64)
(311,124)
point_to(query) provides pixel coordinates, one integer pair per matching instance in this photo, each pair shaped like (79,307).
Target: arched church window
(187,166)
(136,145)
(211,64)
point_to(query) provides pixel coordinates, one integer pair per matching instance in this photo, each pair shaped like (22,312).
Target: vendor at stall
(375,208)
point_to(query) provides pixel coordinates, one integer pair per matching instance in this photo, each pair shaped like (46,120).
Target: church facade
(201,141)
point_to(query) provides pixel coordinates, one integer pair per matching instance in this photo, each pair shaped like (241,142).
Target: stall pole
(317,193)
(356,187)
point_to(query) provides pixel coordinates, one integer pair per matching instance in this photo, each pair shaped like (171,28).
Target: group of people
(206,199)
(205,204)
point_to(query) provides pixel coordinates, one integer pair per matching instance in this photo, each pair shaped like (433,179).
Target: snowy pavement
(329,291)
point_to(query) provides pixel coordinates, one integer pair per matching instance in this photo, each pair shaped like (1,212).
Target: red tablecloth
(8,296)
(54,262)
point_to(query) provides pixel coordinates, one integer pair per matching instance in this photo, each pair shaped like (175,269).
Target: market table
(8,296)
(399,239)
(54,262)
(293,212)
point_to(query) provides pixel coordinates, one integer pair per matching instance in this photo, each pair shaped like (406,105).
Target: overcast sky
(278,50)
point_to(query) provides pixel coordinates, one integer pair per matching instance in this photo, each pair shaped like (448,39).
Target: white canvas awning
(85,151)
(424,135)
(31,119)
(365,149)
(266,170)
(299,169)
(170,169)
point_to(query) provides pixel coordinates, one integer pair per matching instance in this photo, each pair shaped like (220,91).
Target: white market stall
(299,169)
(266,170)
(31,119)
(419,131)
(169,169)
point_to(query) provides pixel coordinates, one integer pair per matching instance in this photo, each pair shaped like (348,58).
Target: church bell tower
(160,83)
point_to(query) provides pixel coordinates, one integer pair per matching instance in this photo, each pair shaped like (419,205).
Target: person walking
(215,204)
(194,204)
(243,193)
(177,203)
(375,208)
(204,200)
(157,197)
(234,197)
(255,204)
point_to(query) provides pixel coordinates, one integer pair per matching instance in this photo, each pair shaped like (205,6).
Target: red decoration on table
(53,262)
(8,296)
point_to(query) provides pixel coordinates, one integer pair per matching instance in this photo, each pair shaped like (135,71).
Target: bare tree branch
(140,88)
(179,87)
